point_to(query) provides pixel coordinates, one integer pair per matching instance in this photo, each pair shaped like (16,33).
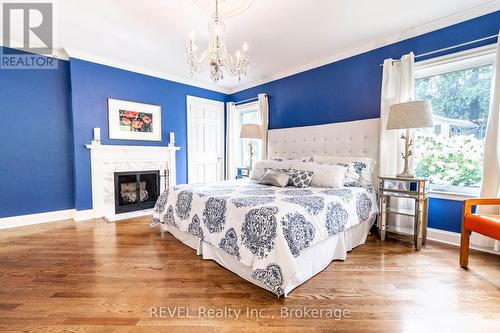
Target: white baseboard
(453,238)
(82,215)
(76,215)
(59,215)
(124,216)
(19,221)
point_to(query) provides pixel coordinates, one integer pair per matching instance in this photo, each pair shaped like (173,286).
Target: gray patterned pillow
(275,178)
(277,169)
(300,178)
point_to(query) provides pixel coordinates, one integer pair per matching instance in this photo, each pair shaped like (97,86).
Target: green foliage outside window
(454,160)
(461,95)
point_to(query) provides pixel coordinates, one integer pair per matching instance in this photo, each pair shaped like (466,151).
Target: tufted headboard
(358,138)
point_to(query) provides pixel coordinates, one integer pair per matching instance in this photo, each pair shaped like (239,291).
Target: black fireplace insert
(136,190)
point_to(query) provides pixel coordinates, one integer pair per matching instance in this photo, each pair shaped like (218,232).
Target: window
(451,152)
(249,114)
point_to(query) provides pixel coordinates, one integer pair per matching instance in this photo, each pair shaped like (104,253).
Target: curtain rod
(247,100)
(449,47)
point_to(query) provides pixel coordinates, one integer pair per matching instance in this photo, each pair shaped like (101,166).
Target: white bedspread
(264,227)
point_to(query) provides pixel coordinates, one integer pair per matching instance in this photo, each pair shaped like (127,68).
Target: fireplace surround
(106,160)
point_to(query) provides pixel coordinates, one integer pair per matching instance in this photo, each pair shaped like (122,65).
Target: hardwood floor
(108,277)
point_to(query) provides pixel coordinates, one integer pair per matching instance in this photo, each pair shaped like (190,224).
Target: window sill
(451,195)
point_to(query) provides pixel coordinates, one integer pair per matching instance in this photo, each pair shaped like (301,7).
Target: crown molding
(378,42)
(73,53)
(66,54)
(59,53)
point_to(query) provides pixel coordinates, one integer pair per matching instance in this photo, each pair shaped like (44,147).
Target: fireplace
(136,190)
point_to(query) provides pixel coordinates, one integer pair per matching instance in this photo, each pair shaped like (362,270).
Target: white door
(205,122)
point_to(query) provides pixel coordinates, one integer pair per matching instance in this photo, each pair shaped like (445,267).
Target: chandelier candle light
(216,55)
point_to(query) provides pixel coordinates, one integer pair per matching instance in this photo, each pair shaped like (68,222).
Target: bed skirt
(312,260)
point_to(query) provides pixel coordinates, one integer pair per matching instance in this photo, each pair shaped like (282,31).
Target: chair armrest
(479,202)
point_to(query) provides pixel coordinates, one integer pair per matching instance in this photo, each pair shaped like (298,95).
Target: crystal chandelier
(216,55)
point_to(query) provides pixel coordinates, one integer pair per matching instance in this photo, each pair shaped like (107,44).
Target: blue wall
(92,84)
(445,214)
(36,158)
(350,89)
(54,112)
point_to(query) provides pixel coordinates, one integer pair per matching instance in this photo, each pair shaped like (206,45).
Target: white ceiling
(149,36)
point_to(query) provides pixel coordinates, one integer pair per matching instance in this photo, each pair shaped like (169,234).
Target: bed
(278,238)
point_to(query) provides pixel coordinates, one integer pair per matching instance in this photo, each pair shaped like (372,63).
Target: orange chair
(488,225)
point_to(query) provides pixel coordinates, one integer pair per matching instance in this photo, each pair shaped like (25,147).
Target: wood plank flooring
(111,277)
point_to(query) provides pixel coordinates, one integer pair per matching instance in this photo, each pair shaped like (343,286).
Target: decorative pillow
(352,178)
(275,178)
(293,159)
(285,170)
(328,175)
(259,168)
(300,178)
(304,166)
(358,168)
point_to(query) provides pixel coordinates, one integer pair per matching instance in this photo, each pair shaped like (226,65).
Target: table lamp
(413,114)
(250,131)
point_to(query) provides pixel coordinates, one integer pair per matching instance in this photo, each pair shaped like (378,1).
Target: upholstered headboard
(353,138)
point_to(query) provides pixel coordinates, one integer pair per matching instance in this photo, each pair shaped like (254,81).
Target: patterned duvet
(264,227)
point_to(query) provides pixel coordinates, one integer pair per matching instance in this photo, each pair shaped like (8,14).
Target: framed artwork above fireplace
(134,121)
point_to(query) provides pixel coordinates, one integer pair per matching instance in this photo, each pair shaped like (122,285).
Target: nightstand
(242,173)
(404,188)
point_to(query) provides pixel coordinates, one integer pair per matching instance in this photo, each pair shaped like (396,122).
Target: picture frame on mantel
(134,121)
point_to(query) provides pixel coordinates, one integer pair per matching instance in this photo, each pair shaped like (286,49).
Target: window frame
(476,57)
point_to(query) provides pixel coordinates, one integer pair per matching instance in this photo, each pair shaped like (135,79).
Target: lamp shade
(414,114)
(250,131)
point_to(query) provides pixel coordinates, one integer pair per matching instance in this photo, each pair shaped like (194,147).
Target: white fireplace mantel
(108,159)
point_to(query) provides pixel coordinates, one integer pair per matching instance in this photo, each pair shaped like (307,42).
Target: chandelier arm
(196,64)
(233,68)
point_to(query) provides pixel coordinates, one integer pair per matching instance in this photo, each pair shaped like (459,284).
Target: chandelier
(216,56)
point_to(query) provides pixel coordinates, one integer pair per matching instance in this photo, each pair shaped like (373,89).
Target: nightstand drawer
(404,187)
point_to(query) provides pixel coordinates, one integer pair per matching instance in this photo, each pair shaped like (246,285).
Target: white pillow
(325,175)
(259,168)
(303,166)
(362,166)
(328,175)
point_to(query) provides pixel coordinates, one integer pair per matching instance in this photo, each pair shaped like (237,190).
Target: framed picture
(134,121)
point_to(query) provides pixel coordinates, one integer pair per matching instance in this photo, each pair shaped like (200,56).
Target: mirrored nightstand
(404,188)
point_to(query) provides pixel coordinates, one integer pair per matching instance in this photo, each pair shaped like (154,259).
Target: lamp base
(405,175)
(408,142)
(250,155)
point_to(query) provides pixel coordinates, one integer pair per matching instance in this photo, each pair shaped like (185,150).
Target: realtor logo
(28,26)
(28,36)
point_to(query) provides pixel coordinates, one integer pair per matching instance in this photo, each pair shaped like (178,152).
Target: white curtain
(397,87)
(264,122)
(232,137)
(490,188)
